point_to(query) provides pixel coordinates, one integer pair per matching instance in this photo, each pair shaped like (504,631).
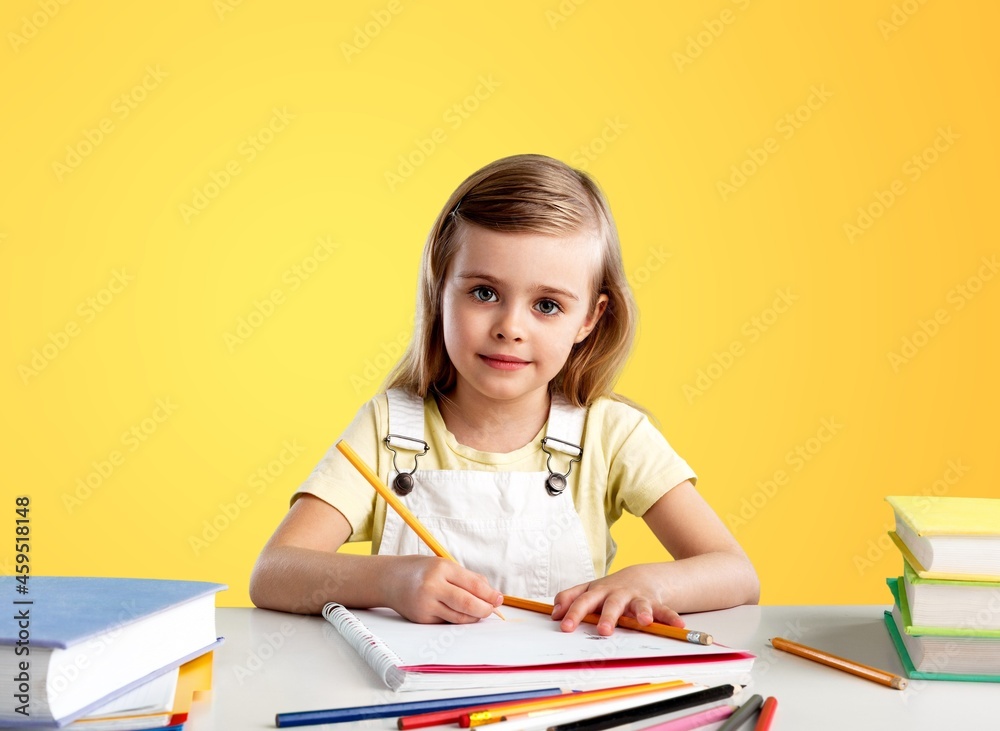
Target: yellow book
(163,702)
(949,537)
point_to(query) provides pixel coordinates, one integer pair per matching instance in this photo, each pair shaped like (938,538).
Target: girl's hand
(634,591)
(430,590)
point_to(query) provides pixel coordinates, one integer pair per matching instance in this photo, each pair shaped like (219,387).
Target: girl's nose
(509,326)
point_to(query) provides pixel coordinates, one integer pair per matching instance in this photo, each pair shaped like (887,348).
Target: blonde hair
(525,194)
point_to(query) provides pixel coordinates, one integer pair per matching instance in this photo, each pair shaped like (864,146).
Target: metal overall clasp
(402,483)
(556,482)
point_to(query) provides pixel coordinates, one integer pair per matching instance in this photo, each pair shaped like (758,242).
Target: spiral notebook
(527,650)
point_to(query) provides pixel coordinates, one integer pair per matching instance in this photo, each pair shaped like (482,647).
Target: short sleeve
(335,480)
(643,468)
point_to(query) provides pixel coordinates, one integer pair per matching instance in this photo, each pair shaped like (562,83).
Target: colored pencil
(394,502)
(848,666)
(640,713)
(743,713)
(539,720)
(661,630)
(422,719)
(766,714)
(388,710)
(454,715)
(694,720)
(547,711)
(494,714)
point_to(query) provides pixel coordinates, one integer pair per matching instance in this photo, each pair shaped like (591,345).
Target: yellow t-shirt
(627,465)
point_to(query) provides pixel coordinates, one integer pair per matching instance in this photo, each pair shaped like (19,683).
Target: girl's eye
(484,294)
(548,307)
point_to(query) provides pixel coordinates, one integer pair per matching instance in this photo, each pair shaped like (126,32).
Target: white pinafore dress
(506,526)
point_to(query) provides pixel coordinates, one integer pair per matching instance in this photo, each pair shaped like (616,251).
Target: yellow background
(658,101)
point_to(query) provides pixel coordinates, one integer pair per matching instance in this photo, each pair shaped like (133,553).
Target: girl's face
(513,305)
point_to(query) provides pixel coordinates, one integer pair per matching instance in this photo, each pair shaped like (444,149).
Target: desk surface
(273,662)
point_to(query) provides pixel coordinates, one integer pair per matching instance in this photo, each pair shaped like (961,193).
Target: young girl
(500,431)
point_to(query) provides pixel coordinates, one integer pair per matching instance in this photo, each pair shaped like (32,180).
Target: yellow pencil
(661,630)
(494,715)
(396,504)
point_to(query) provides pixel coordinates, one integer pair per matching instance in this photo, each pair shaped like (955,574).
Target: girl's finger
(589,602)
(642,610)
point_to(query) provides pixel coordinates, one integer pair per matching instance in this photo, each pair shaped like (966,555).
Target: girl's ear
(591,322)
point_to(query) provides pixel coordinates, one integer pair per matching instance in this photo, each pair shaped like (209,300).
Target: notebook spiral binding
(378,655)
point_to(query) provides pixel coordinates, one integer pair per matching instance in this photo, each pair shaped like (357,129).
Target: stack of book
(104,654)
(945,620)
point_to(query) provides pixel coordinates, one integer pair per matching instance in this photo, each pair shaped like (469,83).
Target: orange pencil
(848,666)
(546,711)
(454,715)
(661,630)
(766,714)
(394,502)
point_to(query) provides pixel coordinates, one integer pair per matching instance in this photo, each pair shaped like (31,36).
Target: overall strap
(406,423)
(406,420)
(565,429)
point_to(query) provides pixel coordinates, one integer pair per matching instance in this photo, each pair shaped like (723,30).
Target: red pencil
(435,718)
(766,714)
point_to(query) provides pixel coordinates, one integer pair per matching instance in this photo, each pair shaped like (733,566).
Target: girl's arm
(299,570)
(709,571)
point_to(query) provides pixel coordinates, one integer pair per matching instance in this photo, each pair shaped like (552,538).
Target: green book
(953,608)
(973,659)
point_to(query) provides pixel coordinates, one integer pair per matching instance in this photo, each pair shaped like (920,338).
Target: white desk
(273,662)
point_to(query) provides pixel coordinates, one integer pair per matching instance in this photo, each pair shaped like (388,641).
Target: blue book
(70,644)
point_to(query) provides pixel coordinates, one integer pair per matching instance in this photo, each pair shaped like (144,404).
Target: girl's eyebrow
(500,284)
